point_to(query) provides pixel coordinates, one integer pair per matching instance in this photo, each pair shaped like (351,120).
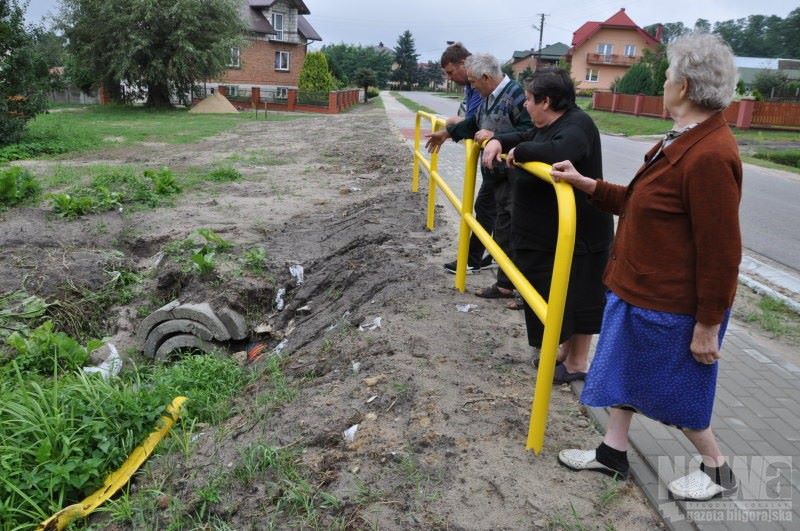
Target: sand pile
(214,104)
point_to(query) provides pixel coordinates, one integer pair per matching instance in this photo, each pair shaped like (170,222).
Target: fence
(743,114)
(72,96)
(551,313)
(283,99)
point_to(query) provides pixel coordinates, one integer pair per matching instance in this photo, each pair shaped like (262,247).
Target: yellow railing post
(415,167)
(431,183)
(467,199)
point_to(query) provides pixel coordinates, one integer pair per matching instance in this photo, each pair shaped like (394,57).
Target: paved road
(771,198)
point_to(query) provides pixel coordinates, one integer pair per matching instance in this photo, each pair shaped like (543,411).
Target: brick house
(278,34)
(549,55)
(603,51)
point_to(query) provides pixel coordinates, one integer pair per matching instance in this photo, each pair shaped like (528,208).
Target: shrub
(17,185)
(315,75)
(164,182)
(372,92)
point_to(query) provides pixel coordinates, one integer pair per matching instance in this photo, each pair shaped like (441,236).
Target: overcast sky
(498,27)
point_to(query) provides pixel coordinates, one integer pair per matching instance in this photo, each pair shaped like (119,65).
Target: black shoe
(488,262)
(450,267)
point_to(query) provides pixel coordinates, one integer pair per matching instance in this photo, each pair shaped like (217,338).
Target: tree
(24,76)
(315,75)
(670,31)
(161,47)
(345,60)
(525,75)
(637,80)
(364,78)
(766,82)
(405,57)
(429,74)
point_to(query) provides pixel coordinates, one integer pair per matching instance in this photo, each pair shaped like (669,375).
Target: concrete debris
(191,325)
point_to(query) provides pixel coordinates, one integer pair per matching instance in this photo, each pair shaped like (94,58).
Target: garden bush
(16,186)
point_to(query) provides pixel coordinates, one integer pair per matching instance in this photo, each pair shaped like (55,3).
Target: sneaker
(698,486)
(575,459)
(488,262)
(450,267)
(562,375)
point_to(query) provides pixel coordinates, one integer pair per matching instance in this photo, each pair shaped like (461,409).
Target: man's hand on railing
(491,153)
(435,140)
(482,136)
(510,158)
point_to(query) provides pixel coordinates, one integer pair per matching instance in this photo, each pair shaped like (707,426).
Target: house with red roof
(603,51)
(277,36)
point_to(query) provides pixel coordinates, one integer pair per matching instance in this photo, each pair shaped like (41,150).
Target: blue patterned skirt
(643,362)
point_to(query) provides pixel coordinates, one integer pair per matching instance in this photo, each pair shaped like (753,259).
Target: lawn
(82,128)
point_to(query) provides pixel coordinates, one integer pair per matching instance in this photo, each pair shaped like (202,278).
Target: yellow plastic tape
(116,480)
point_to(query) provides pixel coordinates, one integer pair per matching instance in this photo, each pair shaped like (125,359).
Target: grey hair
(480,64)
(706,61)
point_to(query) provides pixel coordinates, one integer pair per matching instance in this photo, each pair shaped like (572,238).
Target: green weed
(222,175)
(255,260)
(17,185)
(46,352)
(164,182)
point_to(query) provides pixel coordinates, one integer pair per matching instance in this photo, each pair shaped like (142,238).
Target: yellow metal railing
(551,312)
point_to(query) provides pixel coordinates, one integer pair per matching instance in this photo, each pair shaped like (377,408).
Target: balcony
(611,60)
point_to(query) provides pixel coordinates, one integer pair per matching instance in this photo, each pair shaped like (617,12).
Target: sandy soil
(441,397)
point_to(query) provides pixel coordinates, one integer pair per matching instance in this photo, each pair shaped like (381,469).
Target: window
(277,24)
(282,61)
(233,91)
(281,93)
(234,61)
(604,48)
(591,75)
(630,50)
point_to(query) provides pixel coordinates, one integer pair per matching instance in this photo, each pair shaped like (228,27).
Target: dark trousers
(485,213)
(493,212)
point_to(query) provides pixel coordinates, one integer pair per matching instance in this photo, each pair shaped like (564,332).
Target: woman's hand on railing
(435,140)
(566,172)
(491,153)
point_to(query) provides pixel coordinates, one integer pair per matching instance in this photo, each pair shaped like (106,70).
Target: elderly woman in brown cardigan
(672,273)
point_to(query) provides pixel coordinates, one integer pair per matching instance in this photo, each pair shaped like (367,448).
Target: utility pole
(541,30)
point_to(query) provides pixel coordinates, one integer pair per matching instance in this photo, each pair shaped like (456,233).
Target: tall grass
(60,437)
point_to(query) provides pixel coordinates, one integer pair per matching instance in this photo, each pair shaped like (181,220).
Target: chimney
(659,32)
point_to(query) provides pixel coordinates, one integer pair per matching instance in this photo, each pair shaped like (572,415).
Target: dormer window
(277,25)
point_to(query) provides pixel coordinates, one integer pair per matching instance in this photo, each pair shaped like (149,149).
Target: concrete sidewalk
(756,418)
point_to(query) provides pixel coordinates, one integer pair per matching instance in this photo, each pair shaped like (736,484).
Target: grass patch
(60,436)
(131,188)
(628,125)
(104,126)
(774,317)
(411,105)
(785,157)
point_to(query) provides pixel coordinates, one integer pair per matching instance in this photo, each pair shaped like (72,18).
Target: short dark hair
(455,53)
(554,83)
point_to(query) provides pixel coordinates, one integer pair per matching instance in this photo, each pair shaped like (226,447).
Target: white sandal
(587,460)
(698,486)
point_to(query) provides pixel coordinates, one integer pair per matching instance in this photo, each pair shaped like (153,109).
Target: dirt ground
(441,397)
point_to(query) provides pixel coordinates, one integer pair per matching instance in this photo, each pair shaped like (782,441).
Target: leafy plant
(203,260)
(18,311)
(47,352)
(164,182)
(219,243)
(255,259)
(71,207)
(17,185)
